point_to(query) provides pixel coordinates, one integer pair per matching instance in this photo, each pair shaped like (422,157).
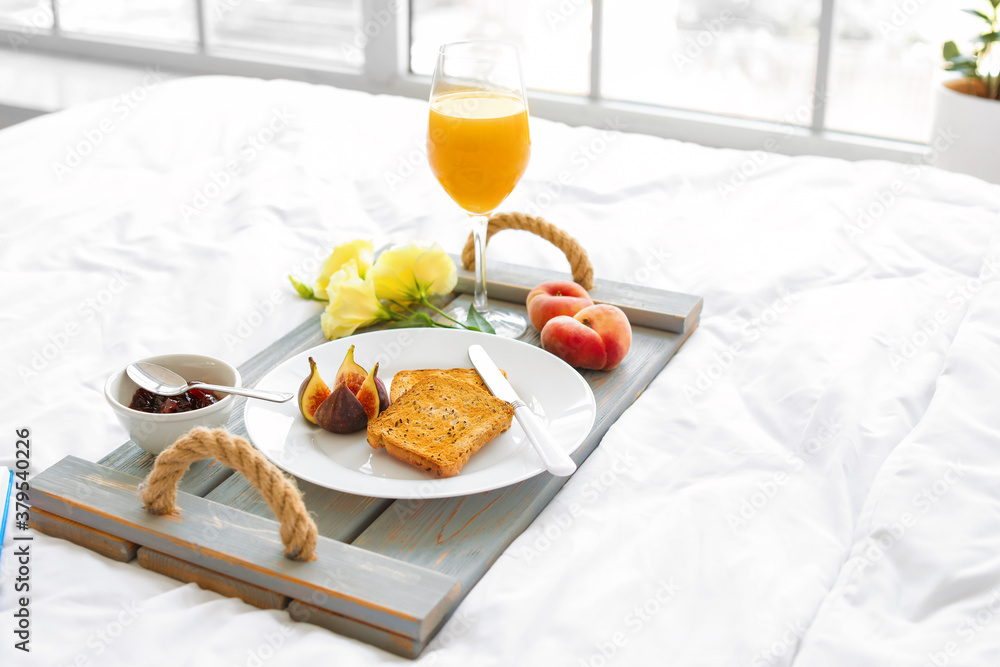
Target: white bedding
(813,480)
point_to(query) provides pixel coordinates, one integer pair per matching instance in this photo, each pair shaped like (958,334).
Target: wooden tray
(388,572)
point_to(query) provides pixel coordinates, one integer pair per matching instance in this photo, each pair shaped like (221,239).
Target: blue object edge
(6,507)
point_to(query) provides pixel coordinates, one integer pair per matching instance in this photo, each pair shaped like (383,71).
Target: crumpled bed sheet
(813,479)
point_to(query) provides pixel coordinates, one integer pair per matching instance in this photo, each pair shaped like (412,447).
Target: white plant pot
(964,137)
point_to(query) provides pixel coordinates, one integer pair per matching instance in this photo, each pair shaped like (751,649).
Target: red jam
(192,399)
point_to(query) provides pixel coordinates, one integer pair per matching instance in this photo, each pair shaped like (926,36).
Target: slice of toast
(404,380)
(439,423)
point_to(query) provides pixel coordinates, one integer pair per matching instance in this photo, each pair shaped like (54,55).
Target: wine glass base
(505,322)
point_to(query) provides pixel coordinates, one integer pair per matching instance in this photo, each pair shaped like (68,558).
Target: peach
(597,337)
(560,297)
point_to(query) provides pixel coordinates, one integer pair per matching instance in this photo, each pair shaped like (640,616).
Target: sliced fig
(312,393)
(369,396)
(350,373)
(342,412)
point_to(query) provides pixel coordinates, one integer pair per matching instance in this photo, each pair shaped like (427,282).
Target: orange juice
(478,146)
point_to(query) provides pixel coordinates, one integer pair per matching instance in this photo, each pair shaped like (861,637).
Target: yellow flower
(359,251)
(413,272)
(352,303)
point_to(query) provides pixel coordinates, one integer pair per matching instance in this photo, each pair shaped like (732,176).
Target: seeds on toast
(402,381)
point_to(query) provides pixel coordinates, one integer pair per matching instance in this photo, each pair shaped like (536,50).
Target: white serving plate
(557,393)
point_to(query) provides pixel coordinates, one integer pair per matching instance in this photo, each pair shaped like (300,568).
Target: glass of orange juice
(478,144)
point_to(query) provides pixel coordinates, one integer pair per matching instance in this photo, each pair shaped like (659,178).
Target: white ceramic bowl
(155,432)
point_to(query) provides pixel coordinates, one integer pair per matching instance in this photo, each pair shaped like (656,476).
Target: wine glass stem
(479,223)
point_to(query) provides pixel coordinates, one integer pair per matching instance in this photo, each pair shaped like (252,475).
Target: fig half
(373,396)
(350,373)
(312,393)
(383,395)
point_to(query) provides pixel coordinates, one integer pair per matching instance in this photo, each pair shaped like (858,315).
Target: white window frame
(385,38)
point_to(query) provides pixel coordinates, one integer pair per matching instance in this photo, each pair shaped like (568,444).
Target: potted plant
(969,104)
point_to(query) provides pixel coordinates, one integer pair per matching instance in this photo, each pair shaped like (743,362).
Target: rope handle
(159,491)
(583,271)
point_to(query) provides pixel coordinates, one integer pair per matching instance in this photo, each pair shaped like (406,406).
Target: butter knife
(555,459)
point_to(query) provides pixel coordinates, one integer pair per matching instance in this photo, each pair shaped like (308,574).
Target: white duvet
(813,480)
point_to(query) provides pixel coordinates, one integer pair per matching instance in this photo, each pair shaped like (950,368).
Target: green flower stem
(394,316)
(428,304)
(425,302)
(403,306)
(411,313)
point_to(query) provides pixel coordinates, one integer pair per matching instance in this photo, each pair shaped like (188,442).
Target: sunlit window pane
(170,21)
(751,58)
(322,30)
(886,63)
(32,13)
(553,36)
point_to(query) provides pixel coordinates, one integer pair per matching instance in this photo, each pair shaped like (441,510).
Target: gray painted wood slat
(155,561)
(338,516)
(464,536)
(107,545)
(375,590)
(645,306)
(408,647)
(201,477)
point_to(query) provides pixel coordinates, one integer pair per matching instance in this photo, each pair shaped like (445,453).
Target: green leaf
(988,37)
(967,69)
(976,12)
(305,291)
(476,322)
(961,64)
(995,3)
(950,50)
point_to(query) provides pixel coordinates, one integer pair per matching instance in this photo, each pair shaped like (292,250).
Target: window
(319,30)
(554,45)
(35,14)
(170,21)
(323,32)
(721,72)
(886,61)
(754,59)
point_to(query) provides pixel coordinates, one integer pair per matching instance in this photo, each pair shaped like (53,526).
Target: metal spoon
(165,382)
